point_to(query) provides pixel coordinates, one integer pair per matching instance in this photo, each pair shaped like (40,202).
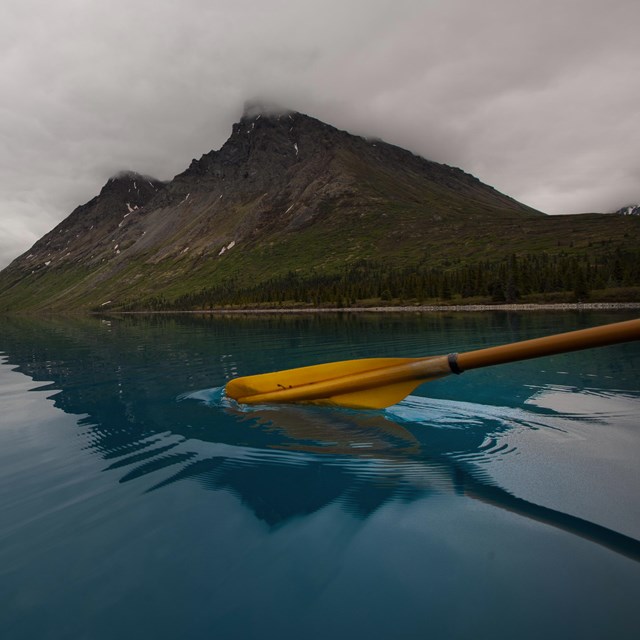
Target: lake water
(138,502)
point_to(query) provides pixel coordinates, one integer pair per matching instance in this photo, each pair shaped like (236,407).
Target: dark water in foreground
(138,503)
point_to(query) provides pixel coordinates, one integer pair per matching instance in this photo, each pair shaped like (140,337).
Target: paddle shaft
(550,345)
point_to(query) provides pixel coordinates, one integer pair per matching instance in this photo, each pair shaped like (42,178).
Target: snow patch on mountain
(629,210)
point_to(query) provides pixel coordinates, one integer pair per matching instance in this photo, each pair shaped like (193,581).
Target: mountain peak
(126,174)
(260,107)
(130,182)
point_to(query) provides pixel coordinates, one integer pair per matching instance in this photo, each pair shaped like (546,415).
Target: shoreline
(570,306)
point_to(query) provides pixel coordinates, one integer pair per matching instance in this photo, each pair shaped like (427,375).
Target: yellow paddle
(376,383)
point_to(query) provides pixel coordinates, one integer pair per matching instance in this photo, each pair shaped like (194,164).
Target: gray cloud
(538,99)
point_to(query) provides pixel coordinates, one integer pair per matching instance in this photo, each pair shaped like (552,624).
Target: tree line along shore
(536,279)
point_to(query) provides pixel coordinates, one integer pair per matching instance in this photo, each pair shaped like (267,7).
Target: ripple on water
(405,446)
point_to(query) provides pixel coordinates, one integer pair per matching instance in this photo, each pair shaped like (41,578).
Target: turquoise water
(138,502)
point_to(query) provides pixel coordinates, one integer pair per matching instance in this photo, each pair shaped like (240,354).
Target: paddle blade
(370,383)
(375,398)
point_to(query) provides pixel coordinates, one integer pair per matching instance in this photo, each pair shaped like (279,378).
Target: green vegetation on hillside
(561,277)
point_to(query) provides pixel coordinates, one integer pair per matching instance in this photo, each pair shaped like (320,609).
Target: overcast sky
(538,98)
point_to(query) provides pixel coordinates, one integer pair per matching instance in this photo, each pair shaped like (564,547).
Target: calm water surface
(138,502)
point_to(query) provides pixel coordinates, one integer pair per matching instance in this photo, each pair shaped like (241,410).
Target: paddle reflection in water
(379,457)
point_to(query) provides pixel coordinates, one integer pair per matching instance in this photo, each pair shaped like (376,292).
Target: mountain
(90,224)
(629,210)
(286,199)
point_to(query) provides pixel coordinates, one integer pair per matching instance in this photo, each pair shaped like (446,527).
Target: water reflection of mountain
(125,377)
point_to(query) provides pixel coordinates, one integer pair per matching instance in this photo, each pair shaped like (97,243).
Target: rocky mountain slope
(285,194)
(629,210)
